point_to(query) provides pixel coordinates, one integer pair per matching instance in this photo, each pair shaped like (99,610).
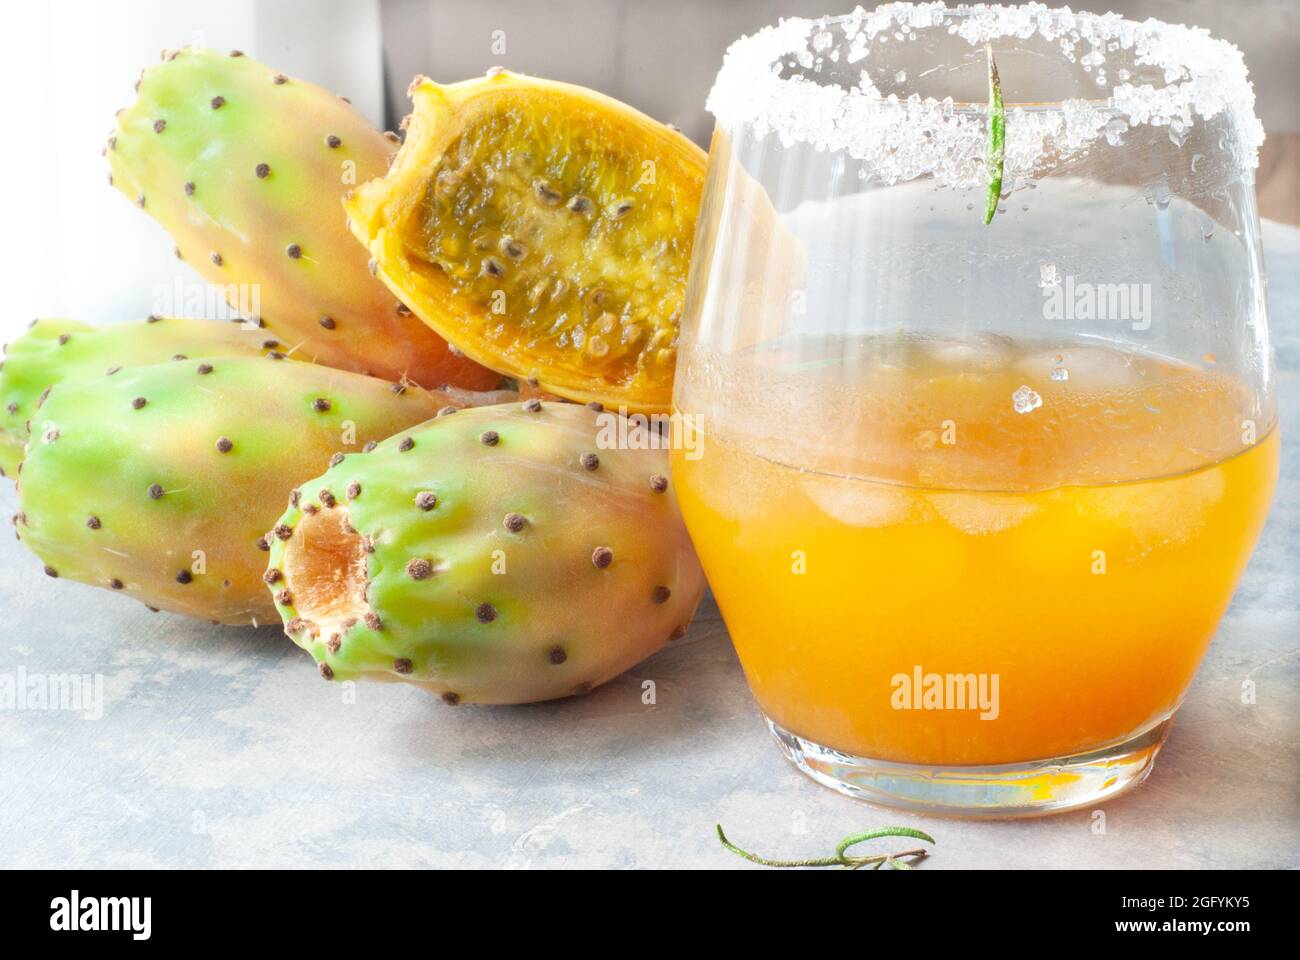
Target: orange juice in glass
(973,498)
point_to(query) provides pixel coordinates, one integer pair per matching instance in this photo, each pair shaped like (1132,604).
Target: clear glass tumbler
(976,352)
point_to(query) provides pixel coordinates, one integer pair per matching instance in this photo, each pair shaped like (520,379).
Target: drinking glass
(973,496)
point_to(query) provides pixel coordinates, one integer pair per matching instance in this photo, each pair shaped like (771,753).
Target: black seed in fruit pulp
(263,170)
(272,576)
(446,411)
(450,699)
(204,369)
(216,258)
(406,444)
(557,655)
(93,522)
(327,322)
(155,491)
(373,621)
(515,522)
(332,141)
(419,569)
(354,490)
(589,461)
(320,404)
(660,595)
(327,498)
(677,634)
(64,338)
(485,613)
(159,126)
(532,405)
(326,671)
(489,438)
(283,531)
(217,102)
(596,405)
(602,557)
(262,544)
(115,584)
(426,500)
(279,79)
(284,598)
(184,576)
(336,459)
(334,643)
(189,188)
(50,571)
(294,251)
(369,447)
(658,483)
(402,665)
(225,444)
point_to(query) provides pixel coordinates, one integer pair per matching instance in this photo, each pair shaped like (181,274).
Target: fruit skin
(223,447)
(55,350)
(519,601)
(541,315)
(250,190)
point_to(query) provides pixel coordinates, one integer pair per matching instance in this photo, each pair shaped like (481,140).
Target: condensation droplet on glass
(1060,374)
(1197,158)
(900,77)
(1115,128)
(1025,400)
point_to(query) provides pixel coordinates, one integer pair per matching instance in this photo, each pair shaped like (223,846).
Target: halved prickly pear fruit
(498,555)
(245,168)
(544,229)
(165,481)
(56,351)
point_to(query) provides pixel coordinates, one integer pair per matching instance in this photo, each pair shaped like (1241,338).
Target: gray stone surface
(221,747)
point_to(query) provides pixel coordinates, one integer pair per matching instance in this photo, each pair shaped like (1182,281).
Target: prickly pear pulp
(544,229)
(164,482)
(495,555)
(246,169)
(54,351)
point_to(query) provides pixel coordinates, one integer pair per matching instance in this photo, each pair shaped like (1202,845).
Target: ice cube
(859,503)
(978,514)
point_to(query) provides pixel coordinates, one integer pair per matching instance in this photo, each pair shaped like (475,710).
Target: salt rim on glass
(903,139)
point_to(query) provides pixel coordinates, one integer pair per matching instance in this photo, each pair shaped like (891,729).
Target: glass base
(998,791)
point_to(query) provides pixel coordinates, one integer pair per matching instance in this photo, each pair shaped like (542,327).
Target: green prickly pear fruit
(494,556)
(246,169)
(54,351)
(165,481)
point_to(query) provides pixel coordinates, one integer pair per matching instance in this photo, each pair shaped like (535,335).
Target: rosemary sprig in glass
(841,858)
(997,138)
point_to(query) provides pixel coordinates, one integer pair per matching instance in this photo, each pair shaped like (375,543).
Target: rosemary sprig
(997,138)
(841,857)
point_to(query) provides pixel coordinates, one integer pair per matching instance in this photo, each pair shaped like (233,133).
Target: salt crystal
(1203,78)
(1025,400)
